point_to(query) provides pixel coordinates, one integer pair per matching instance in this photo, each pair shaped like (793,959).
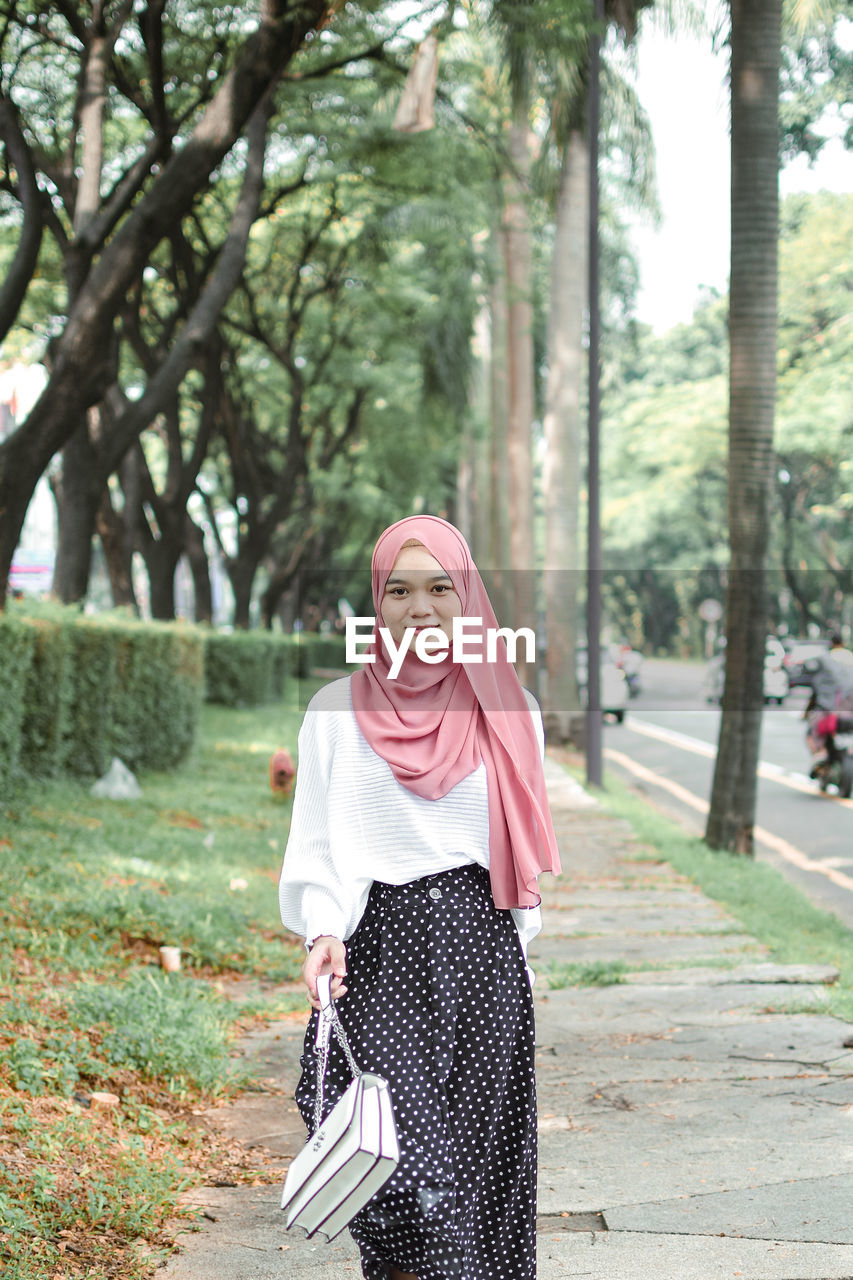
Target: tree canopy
(665,485)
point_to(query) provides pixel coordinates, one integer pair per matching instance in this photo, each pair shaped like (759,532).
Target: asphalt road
(666,747)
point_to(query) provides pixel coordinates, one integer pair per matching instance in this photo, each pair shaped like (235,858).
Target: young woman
(420,825)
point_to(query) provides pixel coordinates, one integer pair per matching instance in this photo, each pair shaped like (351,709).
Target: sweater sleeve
(528,920)
(312,897)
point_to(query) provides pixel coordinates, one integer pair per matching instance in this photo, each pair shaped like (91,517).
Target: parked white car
(776,686)
(614,686)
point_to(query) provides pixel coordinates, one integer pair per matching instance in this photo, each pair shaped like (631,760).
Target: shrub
(160,682)
(49,693)
(245,668)
(310,650)
(77,691)
(17,643)
(88,746)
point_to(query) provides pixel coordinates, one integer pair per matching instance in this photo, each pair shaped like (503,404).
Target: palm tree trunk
(519,273)
(474,481)
(756,41)
(562,427)
(499,586)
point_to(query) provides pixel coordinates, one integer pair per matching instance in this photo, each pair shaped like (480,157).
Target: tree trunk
(241,572)
(519,275)
(562,428)
(115,538)
(77,502)
(480,441)
(464,504)
(501,584)
(161,560)
(272,596)
(92,104)
(22,268)
(200,569)
(756,40)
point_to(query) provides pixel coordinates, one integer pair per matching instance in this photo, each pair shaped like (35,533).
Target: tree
(517,268)
(349,342)
(108,238)
(627,134)
(664,452)
(756,56)
(202,284)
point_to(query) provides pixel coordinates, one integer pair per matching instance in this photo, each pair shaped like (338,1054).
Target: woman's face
(419,593)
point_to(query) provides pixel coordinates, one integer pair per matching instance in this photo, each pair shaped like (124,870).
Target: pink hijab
(434,724)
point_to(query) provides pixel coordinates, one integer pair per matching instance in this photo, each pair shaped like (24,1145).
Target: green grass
(597,973)
(756,894)
(96,882)
(92,889)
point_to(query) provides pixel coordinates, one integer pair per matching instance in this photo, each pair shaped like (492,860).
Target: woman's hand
(327,955)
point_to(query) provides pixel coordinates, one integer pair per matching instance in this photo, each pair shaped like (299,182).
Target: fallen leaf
(180,818)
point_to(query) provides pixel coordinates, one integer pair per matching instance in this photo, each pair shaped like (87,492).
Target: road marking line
(657,780)
(785,850)
(672,736)
(772,772)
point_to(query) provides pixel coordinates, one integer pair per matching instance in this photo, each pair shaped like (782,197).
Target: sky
(681,83)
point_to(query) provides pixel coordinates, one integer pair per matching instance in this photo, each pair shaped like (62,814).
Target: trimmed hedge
(17,643)
(310,650)
(98,687)
(95,662)
(245,668)
(49,694)
(151,677)
(77,690)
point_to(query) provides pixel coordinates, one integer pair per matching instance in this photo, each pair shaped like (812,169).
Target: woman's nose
(421,605)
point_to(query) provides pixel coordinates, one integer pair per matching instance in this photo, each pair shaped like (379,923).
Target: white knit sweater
(354,823)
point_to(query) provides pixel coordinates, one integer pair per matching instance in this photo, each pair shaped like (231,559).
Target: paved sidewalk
(696,1121)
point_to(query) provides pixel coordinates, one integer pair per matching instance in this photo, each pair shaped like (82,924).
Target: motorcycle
(630,662)
(829,714)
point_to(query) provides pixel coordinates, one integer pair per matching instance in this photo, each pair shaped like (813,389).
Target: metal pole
(593,591)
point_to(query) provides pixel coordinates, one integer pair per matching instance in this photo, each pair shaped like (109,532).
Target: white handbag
(352,1154)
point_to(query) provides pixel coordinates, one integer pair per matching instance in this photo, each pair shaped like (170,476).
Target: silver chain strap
(323,1057)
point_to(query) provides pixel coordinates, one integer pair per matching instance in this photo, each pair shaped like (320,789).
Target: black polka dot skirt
(439,1003)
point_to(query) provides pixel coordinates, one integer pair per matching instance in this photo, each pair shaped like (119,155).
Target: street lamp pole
(593,590)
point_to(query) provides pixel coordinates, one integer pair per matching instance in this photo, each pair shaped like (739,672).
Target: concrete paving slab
(632,870)
(624,1256)
(647,948)
(268,1117)
(662,894)
(621,1143)
(564,791)
(674,1106)
(695,1015)
(814,1209)
(246,1241)
(659,1070)
(767,972)
(566,921)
